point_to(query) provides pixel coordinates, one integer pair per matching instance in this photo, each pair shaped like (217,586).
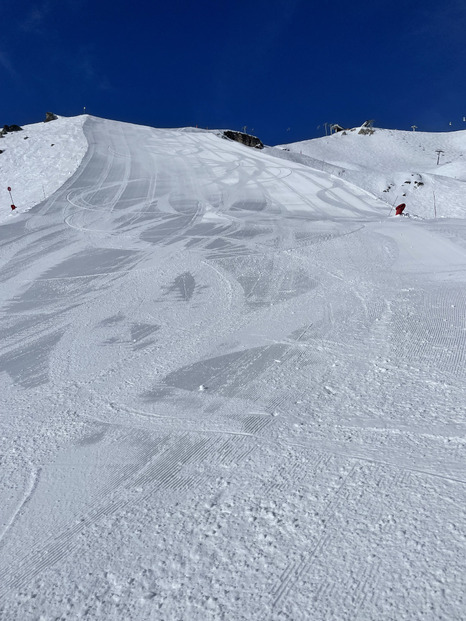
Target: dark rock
(11,128)
(246,139)
(50,116)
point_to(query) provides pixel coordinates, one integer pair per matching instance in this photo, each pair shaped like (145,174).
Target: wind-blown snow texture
(231,388)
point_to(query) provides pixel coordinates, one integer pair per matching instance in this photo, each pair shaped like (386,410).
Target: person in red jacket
(399,209)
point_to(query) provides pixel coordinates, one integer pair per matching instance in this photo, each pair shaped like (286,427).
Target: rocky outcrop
(50,116)
(11,128)
(246,139)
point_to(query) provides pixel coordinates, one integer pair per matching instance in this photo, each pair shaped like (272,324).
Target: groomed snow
(232,386)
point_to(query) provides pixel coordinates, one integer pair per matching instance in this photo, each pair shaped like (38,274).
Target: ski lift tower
(439,153)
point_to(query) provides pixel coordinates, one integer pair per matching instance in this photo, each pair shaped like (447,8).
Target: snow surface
(396,166)
(231,388)
(38,160)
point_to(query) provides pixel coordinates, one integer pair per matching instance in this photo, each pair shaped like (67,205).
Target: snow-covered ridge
(38,160)
(425,170)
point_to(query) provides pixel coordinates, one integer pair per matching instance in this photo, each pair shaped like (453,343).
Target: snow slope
(38,160)
(396,166)
(231,388)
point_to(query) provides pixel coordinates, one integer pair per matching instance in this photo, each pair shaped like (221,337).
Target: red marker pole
(13,206)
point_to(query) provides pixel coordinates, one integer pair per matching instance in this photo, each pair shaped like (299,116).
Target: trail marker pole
(13,206)
(391,208)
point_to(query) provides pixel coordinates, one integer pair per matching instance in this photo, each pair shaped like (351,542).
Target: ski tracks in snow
(32,485)
(329,378)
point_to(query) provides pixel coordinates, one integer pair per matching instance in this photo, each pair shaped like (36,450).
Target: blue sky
(282,68)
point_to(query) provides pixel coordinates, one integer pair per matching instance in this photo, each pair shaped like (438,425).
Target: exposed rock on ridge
(246,139)
(50,116)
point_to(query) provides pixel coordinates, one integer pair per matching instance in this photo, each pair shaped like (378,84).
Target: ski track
(245,360)
(159,472)
(33,481)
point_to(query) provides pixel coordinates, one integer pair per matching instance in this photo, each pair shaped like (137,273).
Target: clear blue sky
(280,67)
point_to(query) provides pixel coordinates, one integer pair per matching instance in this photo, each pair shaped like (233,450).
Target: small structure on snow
(366,128)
